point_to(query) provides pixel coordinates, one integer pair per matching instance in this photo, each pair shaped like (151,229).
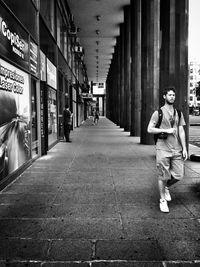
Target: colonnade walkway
(94,202)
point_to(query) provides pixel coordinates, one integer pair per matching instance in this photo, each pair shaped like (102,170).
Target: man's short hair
(167,89)
(66,106)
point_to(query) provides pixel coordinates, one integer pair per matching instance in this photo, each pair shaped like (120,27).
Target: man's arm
(183,142)
(152,126)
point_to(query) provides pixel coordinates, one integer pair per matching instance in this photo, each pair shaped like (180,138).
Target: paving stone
(20,264)
(74,177)
(70,250)
(188,198)
(183,264)
(24,228)
(82,228)
(127,264)
(151,210)
(83,211)
(181,250)
(34,189)
(40,178)
(137,197)
(194,209)
(128,250)
(87,187)
(58,264)
(28,198)
(164,229)
(85,198)
(23,211)
(23,249)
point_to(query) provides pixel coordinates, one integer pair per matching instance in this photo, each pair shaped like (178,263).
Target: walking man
(67,121)
(171,149)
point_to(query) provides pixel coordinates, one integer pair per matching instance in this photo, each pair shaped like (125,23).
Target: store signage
(87,95)
(51,74)
(43,67)
(78,49)
(13,39)
(33,58)
(14,116)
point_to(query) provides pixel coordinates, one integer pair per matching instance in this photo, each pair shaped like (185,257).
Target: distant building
(194,78)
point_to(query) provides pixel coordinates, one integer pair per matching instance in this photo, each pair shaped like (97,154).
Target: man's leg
(163,165)
(161,187)
(67,134)
(171,181)
(177,169)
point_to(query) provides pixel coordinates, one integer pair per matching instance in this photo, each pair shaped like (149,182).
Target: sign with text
(33,58)
(15,138)
(13,39)
(51,74)
(43,67)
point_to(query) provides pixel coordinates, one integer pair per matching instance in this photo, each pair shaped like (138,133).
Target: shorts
(169,164)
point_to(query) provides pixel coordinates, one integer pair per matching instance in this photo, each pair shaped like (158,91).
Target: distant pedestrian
(170,146)
(67,122)
(96,117)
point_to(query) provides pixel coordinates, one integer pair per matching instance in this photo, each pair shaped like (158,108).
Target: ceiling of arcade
(98,26)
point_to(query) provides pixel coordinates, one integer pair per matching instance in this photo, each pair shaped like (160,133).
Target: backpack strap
(160,116)
(179,115)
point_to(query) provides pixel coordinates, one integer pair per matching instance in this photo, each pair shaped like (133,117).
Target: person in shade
(170,146)
(96,117)
(67,122)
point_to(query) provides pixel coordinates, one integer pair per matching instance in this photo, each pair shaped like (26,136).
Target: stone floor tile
(80,228)
(23,249)
(129,250)
(23,228)
(23,211)
(85,198)
(162,229)
(83,211)
(20,264)
(59,264)
(127,264)
(70,250)
(28,198)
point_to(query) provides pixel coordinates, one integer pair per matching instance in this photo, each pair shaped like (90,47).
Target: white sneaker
(167,194)
(163,205)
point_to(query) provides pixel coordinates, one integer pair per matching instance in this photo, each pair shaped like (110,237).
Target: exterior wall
(38,66)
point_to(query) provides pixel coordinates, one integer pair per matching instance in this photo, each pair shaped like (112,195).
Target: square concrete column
(121,74)
(174,52)
(127,68)
(135,120)
(150,56)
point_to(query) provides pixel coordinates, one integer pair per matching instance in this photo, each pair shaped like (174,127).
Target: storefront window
(26,13)
(34,118)
(14,118)
(47,43)
(52,116)
(61,30)
(48,13)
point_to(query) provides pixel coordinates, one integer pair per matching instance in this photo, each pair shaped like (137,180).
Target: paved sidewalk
(94,202)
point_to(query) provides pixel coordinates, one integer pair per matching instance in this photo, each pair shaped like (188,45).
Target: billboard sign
(14,118)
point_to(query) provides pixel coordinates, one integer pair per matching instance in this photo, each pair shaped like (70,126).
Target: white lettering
(12,37)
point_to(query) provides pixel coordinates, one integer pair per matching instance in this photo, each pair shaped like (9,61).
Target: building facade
(194,78)
(41,69)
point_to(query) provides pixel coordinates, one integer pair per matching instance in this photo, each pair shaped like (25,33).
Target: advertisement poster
(14,118)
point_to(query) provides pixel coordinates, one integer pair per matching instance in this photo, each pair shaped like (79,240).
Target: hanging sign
(13,39)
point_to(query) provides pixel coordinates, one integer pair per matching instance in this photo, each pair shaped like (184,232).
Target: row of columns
(151,53)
